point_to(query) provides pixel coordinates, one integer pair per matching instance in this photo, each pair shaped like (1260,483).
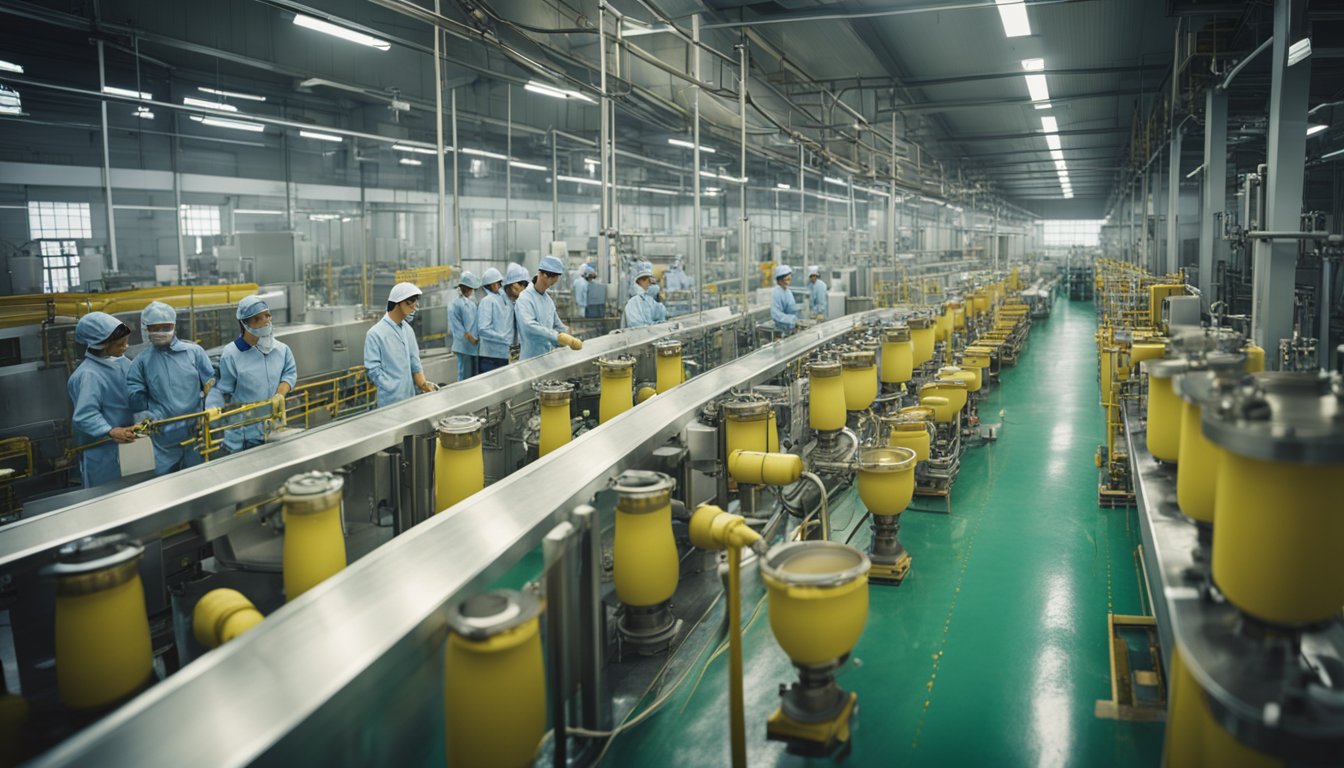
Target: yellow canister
(103,651)
(942,324)
(459,466)
(1255,358)
(618,386)
(749,425)
(1164,408)
(958,315)
(1198,462)
(494,682)
(898,355)
(1194,738)
(826,396)
(971,376)
(667,358)
(910,431)
(942,408)
(859,376)
(887,479)
(644,555)
(818,595)
(1146,350)
(556,430)
(954,392)
(764,468)
(977,362)
(921,334)
(314,546)
(221,615)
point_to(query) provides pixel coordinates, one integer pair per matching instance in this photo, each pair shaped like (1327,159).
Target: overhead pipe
(1227,81)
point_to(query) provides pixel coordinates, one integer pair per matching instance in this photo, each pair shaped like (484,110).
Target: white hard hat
(403,291)
(783,270)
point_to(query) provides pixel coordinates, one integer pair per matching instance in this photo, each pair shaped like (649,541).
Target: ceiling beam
(1017,101)
(883,83)
(1032,135)
(800,17)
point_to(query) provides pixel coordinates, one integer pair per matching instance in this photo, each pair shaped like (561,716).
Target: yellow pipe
(756,468)
(33,308)
(314,546)
(221,615)
(459,466)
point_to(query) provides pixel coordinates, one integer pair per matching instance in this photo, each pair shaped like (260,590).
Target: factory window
(200,220)
(60,265)
(1068,232)
(58,220)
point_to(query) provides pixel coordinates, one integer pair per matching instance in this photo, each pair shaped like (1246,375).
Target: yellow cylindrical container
(645,552)
(952,392)
(1164,408)
(887,479)
(826,399)
(1198,458)
(221,615)
(618,386)
(971,376)
(459,466)
(921,334)
(644,393)
(314,546)
(556,430)
(494,684)
(750,426)
(103,651)
(1146,350)
(1277,521)
(958,315)
(909,431)
(980,300)
(860,379)
(1194,738)
(976,361)
(942,324)
(818,594)
(1255,358)
(667,357)
(764,468)
(898,355)
(942,410)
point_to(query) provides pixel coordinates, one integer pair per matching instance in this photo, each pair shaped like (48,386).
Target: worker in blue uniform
(539,326)
(100,407)
(464,324)
(676,279)
(255,368)
(494,323)
(783,309)
(587,274)
(643,309)
(391,352)
(816,294)
(169,379)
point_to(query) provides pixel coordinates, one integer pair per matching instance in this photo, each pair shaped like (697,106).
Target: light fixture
(1312,130)
(190,102)
(334,30)
(527,166)
(321,136)
(1329,155)
(1056,154)
(1052,141)
(323,216)
(1194,173)
(1068,195)
(689,145)
(1037,88)
(482,153)
(237,125)
(9,66)
(1043,105)
(409,148)
(591,162)
(1013,14)
(1050,124)
(411,161)
(654,190)
(143,113)
(230,94)
(835,181)
(127,92)
(1061,165)
(580,180)
(1299,51)
(256,212)
(1033,65)
(786,186)
(556,93)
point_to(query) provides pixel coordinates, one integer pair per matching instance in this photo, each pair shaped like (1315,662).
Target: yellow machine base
(883,573)
(816,739)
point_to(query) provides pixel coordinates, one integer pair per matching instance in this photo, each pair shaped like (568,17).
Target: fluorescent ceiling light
(1036,87)
(1050,124)
(9,66)
(580,180)
(786,186)
(689,145)
(237,125)
(409,148)
(1033,65)
(1329,155)
(1061,165)
(1299,51)
(411,161)
(230,94)
(143,113)
(835,181)
(481,153)
(1068,195)
(1056,154)
(1013,14)
(527,166)
(114,91)
(1043,105)
(1312,130)
(190,102)
(1052,141)
(323,216)
(656,190)
(321,136)
(338,31)
(556,93)
(257,212)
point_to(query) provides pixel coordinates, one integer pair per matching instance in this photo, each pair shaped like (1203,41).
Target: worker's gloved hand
(429,386)
(213,414)
(278,405)
(570,341)
(123,434)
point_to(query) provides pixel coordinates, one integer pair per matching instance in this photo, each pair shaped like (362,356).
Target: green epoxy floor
(994,650)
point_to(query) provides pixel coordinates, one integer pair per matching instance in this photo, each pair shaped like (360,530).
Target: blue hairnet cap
(251,306)
(783,270)
(645,269)
(471,281)
(158,313)
(551,264)
(516,274)
(588,269)
(95,328)
(491,277)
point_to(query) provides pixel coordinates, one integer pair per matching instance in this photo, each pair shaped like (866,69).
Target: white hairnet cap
(403,291)
(95,328)
(158,313)
(516,274)
(645,269)
(783,270)
(551,264)
(471,281)
(814,271)
(491,277)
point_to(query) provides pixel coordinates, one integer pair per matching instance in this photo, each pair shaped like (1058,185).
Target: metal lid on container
(1165,367)
(315,483)
(1210,381)
(483,616)
(858,359)
(886,459)
(458,425)
(940,384)
(1201,341)
(552,392)
(823,368)
(667,348)
(1291,417)
(919,322)
(616,364)
(641,490)
(815,563)
(746,409)
(94,553)
(896,333)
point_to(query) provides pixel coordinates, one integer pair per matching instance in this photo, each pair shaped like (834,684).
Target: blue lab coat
(166,382)
(391,360)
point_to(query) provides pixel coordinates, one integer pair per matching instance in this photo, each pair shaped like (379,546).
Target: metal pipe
(457,197)
(1227,81)
(604,207)
(438,140)
(825,511)
(107,164)
(695,162)
(742,243)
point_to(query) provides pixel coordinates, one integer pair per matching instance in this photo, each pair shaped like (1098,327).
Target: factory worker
(391,353)
(642,309)
(659,308)
(539,327)
(816,293)
(167,380)
(516,280)
(463,322)
(100,408)
(783,309)
(587,274)
(254,368)
(494,322)
(675,279)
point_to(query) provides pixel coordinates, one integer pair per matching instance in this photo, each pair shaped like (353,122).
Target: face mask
(264,332)
(410,317)
(266,344)
(161,338)
(653,290)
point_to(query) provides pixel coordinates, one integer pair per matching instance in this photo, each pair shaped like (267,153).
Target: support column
(1214,186)
(1275,262)
(1173,263)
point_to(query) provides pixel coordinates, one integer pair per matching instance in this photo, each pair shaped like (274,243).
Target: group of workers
(783,307)
(169,379)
